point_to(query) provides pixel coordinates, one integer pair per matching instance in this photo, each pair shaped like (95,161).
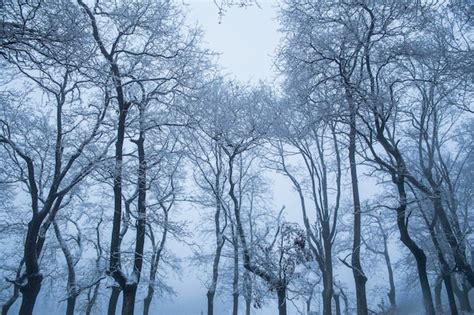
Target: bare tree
(148,53)
(316,145)
(50,170)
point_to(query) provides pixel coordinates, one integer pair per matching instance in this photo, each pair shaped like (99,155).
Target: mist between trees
(118,127)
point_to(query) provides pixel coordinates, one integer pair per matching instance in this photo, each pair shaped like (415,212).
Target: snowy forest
(131,163)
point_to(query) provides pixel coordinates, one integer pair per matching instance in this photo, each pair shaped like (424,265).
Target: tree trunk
(148,299)
(113,300)
(359,277)
(327,270)
(235,303)
(437,289)
(115,268)
(327,292)
(281,292)
(248,289)
(465,297)
(71,304)
(29,294)
(93,299)
(416,251)
(450,294)
(346,302)
(420,259)
(130,290)
(16,292)
(235,282)
(129,294)
(462,294)
(458,254)
(248,306)
(8,304)
(220,240)
(210,302)
(71,277)
(337,303)
(445,270)
(391,294)
(34,278)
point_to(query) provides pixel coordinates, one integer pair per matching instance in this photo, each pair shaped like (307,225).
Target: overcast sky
(246,38)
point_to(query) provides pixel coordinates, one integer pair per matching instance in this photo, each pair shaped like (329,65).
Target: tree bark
(8,304)
(359,277)
(437,290)
(16,291)
(248,306)
(327,292)
(155,260)
(148,299)
(337,303)
(129,294)
(113,300)
(416,251)
(281,293)
(71,305)
(220,240)
(248,290)
(458,254)
(391,293)
(130,290)
(450,293)
(462,294)
(235,281)
(72,290)
(210,302)
(34,278)
(30,292)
